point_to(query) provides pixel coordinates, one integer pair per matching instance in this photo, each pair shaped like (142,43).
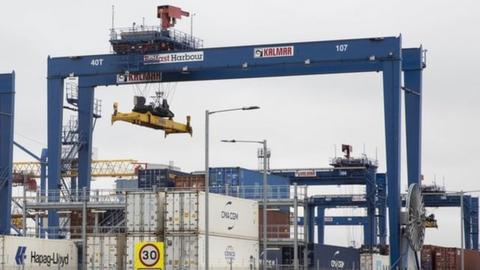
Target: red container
(190,181)
(447,258)
(278,224)
(428,255)
(472,260)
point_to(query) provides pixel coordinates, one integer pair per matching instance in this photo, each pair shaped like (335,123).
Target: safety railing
(146,33)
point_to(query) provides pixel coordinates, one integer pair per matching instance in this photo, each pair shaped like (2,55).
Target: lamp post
(207,174)
(265,186)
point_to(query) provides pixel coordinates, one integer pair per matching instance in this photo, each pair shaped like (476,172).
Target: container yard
(224,149)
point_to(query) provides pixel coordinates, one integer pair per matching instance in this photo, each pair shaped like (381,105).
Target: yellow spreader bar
(151,121)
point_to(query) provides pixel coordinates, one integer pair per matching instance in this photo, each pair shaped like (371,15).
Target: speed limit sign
(149,255)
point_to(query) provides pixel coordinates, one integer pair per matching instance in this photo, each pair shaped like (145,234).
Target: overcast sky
(301,117)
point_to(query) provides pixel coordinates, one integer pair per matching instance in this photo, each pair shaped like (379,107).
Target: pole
(84,229)
(265,192)
(295,227)
(207,185)
(24,216)
(462,221)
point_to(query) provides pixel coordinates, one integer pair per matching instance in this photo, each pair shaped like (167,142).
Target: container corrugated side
(188,252)
(332,257)
(131,240)
(105,252)
(43,254)
(145,212)
(228,216)
(374,261)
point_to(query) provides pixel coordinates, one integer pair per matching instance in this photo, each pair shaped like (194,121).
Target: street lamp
(207,172)
(265,186)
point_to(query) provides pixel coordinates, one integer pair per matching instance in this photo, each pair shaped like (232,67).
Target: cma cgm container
(374,261)
(228,216)
(35,253)
(145,212)
(105,252)
(333,257)
(247,183)
(188,252)
(157,177)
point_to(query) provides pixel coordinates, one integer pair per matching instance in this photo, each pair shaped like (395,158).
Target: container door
(181,252)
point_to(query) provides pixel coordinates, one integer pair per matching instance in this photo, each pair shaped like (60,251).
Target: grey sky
(302,117)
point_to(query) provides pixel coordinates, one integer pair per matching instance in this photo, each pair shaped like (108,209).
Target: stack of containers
(233,240)
(105,251)
(157,177)
(247,184)
(145,213)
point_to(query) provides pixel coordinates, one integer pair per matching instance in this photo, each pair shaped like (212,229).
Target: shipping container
(188,252)
(191,181)
(145,212)
(448,258)
(126,184)
(427,257)
(35,253)
(278,223)
(160,178)
(228,216)
(374,261)
(131,240)
(247,183)
(333,257)
(105,252)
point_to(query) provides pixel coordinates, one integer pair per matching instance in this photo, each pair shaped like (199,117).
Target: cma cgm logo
(229,215)
(20,256)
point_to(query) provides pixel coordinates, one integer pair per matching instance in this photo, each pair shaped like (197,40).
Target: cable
(30,139)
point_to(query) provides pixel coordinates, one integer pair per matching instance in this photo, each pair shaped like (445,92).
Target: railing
(154,32)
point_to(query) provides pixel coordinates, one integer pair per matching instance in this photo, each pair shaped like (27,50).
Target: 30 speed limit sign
(149,255)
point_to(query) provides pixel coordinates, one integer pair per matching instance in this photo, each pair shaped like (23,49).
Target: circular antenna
(415,227)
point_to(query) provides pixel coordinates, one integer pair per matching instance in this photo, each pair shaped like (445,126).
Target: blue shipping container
(333,257)
(157,177)
(247,183)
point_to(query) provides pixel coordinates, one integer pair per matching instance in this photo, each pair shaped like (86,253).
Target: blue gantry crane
(193,63)
(345,170)
(7,101)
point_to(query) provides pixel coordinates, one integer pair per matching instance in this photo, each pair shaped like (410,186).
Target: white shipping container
(145,212)
(374,262)
(228,216)
(130,246)
(34,253)
(188,252)
(105,252)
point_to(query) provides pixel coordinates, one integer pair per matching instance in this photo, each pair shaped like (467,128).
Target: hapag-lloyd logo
(165,58)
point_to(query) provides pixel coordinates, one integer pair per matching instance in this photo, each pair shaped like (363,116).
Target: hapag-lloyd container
(35,253)
(188,252)
(228,216)
(145,212)
(132,239)
(105,252)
